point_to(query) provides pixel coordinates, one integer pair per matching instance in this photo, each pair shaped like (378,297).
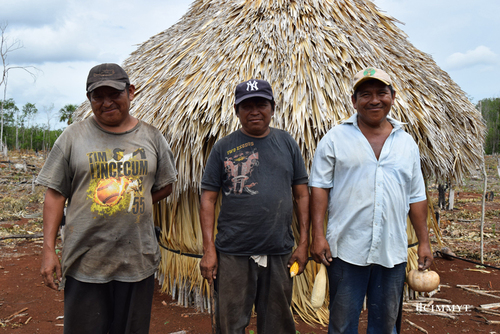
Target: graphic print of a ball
(109,191)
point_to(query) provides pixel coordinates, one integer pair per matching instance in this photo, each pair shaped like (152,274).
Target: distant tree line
(490,109)
(21,133)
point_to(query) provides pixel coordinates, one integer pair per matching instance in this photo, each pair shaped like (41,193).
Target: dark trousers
(113,307)
(241,283)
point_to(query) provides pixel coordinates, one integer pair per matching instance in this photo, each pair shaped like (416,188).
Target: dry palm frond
(308,50)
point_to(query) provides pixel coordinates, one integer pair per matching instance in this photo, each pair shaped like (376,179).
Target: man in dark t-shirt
(260,172)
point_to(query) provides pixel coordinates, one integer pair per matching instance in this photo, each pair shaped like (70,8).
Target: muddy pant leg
(236,287)
(274,297)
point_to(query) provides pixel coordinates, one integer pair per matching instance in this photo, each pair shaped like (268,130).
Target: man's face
(373,102)
(111,106)
(255,115)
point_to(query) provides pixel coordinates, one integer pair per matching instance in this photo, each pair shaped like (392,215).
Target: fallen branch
(468,286)
(23,236)
(440,314)
(14,314)
(490,306)
(479,270)
(490,312)
(493,322)
(416,326)
(478,292)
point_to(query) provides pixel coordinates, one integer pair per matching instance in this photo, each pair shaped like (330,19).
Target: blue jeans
(349,284)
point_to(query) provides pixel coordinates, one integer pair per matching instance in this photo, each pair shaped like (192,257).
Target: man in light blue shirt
(366,172)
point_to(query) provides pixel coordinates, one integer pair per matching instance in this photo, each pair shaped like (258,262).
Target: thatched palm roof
(308,50)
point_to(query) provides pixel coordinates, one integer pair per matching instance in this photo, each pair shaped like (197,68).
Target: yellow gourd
(319,288)
(423,281)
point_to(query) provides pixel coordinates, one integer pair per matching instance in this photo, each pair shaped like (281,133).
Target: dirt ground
(27,306)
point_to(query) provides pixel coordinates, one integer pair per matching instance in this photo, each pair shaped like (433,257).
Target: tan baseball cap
(368,74)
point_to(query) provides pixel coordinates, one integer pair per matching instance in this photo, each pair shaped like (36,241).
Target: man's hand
(209,265)
(51,266)
(320,251)
(425,257)
(299,255)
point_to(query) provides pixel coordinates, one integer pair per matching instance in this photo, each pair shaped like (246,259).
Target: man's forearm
(207,218)
(53,211)
(318,207)
(301,196)
(418,218)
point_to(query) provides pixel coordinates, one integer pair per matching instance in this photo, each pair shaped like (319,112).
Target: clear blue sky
(65,38)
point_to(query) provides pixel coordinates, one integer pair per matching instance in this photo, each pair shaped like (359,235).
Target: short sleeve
(299,168)
(417,187)
(211,179)
(323,166)
(165,170)
(55,173)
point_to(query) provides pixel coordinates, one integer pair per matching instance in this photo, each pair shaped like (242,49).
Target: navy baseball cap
(253,88)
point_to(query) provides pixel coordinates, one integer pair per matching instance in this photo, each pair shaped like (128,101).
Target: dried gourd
(423,281)
(319,288)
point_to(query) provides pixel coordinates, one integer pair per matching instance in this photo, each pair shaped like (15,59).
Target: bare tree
(6,47)
(48,110)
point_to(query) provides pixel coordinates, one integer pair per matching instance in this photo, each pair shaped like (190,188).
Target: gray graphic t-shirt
(108,179)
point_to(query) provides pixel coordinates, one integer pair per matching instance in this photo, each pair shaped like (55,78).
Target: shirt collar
(354,121)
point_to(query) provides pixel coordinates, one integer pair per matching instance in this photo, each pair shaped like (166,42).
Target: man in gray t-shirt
(110,168)
(260,172)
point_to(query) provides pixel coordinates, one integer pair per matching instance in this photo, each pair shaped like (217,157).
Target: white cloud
(481,55)
(65,38)
(31,13)
(91,30)
(66,43)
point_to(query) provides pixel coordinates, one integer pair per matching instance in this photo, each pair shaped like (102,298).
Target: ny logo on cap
(252,85)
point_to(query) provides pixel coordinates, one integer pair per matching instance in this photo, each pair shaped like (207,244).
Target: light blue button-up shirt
(369,199)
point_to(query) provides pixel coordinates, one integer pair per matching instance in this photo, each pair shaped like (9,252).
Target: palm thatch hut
(308,50)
